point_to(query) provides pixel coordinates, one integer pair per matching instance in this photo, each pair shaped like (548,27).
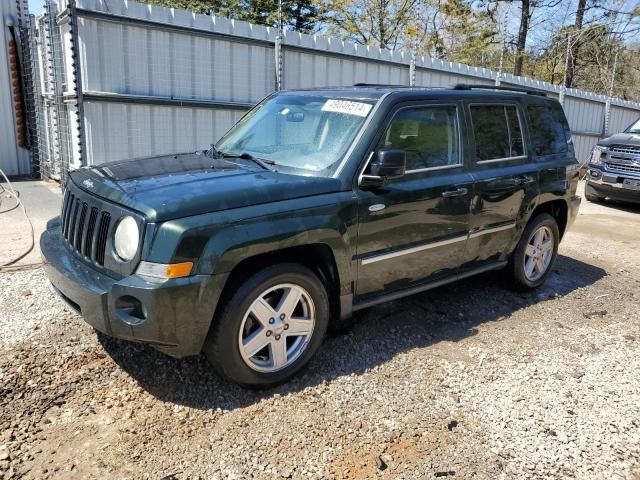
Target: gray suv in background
(614,167)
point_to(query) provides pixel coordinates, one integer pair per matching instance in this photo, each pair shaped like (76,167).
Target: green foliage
(301,16)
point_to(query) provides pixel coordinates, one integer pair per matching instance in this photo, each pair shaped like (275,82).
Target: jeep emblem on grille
(88,183)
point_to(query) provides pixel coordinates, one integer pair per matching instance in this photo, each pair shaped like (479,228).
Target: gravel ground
(467,381)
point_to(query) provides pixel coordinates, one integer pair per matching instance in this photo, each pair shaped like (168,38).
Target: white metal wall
(157,80)
(14,160)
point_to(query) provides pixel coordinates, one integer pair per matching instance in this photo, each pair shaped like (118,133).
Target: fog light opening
(130,308)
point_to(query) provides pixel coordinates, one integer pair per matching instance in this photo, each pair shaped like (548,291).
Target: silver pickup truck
(614,167)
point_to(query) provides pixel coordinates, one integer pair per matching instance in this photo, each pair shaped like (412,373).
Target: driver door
(414,229)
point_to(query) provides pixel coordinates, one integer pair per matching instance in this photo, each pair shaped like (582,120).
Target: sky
(35,6)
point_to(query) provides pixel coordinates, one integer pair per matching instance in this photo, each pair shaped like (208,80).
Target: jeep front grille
(623,167)
(84,226)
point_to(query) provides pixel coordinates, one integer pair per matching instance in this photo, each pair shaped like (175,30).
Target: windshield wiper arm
(265,164)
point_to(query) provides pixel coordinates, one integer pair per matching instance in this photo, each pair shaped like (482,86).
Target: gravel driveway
(467,381)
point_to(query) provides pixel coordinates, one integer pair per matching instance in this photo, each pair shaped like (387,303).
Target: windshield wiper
(265,164)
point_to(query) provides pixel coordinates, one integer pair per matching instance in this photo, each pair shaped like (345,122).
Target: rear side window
(497,132)
(548,128)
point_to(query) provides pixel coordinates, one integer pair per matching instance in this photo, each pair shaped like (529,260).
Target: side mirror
(387,164)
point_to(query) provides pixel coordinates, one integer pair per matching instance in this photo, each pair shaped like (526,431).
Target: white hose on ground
(10,190)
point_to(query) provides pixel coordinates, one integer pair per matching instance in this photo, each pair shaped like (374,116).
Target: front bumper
(574,206)
(175,315)
(611,184)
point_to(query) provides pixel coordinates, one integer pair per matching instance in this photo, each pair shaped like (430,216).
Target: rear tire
(591,195)
(533,258)
(270,327)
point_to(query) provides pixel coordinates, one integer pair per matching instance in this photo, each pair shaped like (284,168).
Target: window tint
(428,135)
(497,132)
(549,130)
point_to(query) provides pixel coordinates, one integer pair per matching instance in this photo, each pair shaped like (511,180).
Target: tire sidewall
(225,354)
(517,259)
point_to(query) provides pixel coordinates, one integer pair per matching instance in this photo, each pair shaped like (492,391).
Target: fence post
(278,48)
(77,81)
(278,54)
(53,93)
(412,68)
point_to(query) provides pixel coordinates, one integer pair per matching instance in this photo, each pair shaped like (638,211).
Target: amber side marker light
(164,270)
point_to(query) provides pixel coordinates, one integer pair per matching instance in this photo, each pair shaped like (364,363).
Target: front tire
(533,258)
(270,327)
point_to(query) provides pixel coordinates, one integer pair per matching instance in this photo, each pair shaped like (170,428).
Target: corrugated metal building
(14,157)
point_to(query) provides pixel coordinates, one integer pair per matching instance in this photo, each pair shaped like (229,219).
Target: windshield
(635,128)
(306,133)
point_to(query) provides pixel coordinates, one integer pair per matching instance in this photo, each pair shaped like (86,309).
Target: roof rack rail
(528,91)
(383,85)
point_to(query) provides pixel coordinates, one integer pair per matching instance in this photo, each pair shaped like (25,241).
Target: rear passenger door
(505,180)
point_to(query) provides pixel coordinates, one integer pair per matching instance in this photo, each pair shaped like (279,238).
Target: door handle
(524,180)
(458,192)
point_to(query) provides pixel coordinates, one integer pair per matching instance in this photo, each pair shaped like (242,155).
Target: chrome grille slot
(103,235)
(67,215)
(623,167)
(80,227)
(72,221)
(629,149)
(88,241)
(65,203)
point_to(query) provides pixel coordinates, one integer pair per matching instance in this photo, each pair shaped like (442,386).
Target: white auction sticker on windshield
(347,107)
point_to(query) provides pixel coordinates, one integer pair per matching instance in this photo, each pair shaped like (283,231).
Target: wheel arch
(318,257)
(558,209)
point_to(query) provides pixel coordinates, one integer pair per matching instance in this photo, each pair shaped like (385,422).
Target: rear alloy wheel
(536,252)
(270,327)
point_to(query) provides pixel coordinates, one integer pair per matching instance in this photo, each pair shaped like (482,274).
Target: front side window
(428,135)
(497,132)
(549,129)
(307,134)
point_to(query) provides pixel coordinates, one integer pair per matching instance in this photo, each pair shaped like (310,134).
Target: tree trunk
(522,37)
(575,43)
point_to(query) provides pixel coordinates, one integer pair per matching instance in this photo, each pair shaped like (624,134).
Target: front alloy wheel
(277,327)
(270,326)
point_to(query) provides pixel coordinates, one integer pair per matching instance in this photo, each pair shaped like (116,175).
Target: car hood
(621,139)
(175,186)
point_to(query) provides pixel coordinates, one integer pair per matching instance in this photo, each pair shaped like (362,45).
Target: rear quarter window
(548,128)
(497,132)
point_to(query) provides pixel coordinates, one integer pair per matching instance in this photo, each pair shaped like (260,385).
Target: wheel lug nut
(277,337)
(286,326)
(268,333)
(282,315)
(271,320)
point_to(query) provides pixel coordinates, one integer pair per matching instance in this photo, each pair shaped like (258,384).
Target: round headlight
(126,238)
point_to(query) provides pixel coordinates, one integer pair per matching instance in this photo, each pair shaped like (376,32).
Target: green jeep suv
(316,204)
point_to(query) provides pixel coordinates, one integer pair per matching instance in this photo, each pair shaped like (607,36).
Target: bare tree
(575,46)
(525,18)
